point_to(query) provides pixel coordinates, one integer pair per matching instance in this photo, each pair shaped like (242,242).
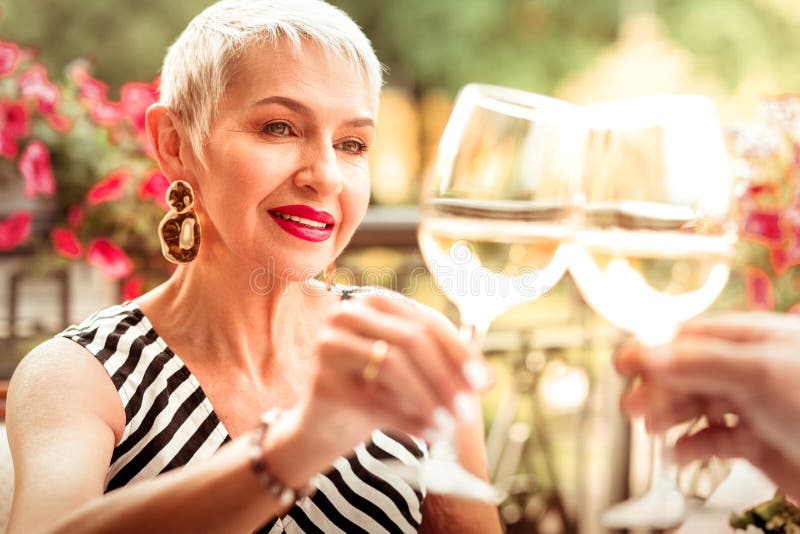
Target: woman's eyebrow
(360,123)
(299,107)
(290,103)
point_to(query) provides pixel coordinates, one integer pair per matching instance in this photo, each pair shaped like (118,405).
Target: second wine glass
(656,241)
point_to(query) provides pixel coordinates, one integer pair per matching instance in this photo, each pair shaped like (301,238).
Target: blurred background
(80,199)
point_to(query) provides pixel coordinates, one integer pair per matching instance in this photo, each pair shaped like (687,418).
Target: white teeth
(300,220)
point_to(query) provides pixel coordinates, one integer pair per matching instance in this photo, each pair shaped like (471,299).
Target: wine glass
(494,213)
(655,242)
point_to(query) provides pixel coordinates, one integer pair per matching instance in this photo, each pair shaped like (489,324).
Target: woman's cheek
(354,208)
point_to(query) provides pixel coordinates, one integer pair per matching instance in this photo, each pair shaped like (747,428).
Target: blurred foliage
(126,40)
(449,43)
(731,37)
(531,44)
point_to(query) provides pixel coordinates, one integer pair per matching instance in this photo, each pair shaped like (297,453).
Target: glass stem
(663,470)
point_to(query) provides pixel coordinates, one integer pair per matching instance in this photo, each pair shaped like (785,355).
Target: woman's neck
(246,319)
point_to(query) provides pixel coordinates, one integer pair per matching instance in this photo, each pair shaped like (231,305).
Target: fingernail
(477,375)
(465,407)
(443,420)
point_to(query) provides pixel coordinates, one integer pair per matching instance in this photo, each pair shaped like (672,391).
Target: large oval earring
(179,230)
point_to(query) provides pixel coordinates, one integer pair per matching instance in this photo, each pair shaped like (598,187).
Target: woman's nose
(320,170)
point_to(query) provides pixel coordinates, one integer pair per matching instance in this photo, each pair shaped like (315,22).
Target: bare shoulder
(63,419)
(61,378)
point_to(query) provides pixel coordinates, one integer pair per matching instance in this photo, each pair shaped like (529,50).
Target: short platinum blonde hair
(200,64)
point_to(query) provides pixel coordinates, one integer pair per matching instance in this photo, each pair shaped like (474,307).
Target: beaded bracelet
(285,496)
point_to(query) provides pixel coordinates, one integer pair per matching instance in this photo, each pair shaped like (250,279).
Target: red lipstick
(303,222)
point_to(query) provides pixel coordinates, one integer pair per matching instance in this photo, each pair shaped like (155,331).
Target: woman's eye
(277,128)
(353,147)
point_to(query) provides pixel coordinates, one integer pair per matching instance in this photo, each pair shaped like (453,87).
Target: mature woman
(268,109)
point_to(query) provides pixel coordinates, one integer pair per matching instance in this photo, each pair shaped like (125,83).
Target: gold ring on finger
(380,349)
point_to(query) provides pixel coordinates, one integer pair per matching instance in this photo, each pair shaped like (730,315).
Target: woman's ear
(165,139)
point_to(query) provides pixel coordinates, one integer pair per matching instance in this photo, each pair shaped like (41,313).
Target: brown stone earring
(179,230)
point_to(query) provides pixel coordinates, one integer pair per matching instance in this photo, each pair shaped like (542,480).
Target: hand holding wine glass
(741,363)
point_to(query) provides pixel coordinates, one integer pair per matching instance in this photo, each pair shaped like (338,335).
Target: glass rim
(514,102)
(647,111)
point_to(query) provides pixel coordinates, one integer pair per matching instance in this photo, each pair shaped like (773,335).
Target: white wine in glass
(655,242)
(488,256)
(495,213)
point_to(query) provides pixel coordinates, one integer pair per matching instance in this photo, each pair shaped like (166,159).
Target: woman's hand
(419,388)
(746,364)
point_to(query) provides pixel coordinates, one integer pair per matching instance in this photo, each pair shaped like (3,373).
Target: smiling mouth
(299,220)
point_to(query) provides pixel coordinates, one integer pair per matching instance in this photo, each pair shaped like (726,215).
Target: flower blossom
(13,125)
(759,289)
(75,216)
(112,187)
(15,229)
(9,58)
(154,186)
(65,243)
(110,259)
(34,165)
(35,84)
(763,225)
(132,287)
(136,97)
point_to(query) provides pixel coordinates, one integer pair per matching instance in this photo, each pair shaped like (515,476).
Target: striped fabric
(169,422)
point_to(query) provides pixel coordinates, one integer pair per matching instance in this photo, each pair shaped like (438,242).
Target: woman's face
(286,179)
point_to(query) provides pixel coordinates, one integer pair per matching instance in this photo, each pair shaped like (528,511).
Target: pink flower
(57,122)
(112,187)
(759,289)
(763,225)
(111,260)
(35,84)
(9,58)
(13,119)
(15,229)
(94,93)
(77,71)
(13,125)
(105,112)
(65,243)
(8,145)
(34,164)
(132,287)
(154,186)
(75,216)
(136,97)
(90,88)
(787,253)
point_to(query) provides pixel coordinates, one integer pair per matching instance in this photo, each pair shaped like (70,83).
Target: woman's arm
(64,417)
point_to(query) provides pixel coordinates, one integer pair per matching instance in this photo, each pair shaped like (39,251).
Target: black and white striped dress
(169,422)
